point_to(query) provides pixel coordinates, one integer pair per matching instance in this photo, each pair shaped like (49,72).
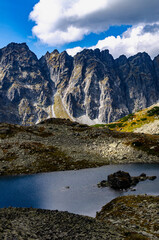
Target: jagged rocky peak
(102,89)
(18,62)
(25,91)
(12,46)
(156,65)
(96,54)
(91,87)
(17,54)
(58,66)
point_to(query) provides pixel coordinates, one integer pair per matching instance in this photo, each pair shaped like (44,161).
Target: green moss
(143,119)
(153,112)
(126,118)
(99,125)
(133,123)
(114,125)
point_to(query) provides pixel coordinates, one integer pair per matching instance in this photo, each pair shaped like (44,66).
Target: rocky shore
(58,144)
(129,218)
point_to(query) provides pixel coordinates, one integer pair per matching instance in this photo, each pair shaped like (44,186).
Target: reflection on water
(73,191)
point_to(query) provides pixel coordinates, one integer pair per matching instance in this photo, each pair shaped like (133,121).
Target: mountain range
(91,87)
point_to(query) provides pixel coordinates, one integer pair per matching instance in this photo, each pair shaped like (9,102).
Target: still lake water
(50,190)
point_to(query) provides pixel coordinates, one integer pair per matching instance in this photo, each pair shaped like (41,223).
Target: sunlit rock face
(90,87)
(93,87)
(25,91)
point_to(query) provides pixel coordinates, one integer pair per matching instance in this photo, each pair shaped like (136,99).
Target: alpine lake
(73,191)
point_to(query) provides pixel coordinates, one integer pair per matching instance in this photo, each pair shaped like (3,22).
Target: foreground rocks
(137,217)
(122,180)
(129,218)
(58,144)
(36,224)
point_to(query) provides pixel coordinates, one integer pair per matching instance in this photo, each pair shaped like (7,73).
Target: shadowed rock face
(90,86)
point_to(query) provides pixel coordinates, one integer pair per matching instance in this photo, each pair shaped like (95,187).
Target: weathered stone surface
(135,216)
(90,88)
(25,92)
(128,217)
(119,180)
(99,88)
(38,224)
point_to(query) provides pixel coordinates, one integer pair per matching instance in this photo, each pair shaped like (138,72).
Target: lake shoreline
(12,171)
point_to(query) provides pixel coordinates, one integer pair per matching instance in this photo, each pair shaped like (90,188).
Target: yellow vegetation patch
(59,110)
(133,121)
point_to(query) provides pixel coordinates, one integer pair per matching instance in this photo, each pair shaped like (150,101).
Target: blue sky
(122,26)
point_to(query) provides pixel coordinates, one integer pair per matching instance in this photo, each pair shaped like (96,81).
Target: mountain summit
(92,87)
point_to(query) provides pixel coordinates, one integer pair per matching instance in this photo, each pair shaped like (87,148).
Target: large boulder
(122,180)
(119,180)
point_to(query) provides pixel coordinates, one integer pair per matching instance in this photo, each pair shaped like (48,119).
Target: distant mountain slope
(143,121)
(150,126)
(91,88)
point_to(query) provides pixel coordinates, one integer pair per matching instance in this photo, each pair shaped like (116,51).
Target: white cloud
(63,21)
(73,51)
(139,38)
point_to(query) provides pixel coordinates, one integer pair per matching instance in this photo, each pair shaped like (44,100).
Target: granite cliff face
(91,88)
(25,93)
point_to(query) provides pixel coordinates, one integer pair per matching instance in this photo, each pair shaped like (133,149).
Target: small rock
(152,178)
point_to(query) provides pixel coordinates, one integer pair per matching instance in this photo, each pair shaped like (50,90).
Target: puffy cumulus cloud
(73,51)
(57,22)
(136,39)
(65,21)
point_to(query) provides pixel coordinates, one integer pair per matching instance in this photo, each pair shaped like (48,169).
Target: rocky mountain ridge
(91,87)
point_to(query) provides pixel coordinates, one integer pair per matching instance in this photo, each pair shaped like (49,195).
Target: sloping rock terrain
(129,218)
(142,121)
(90,88)
(58,144)
(137,217)
(39,224)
